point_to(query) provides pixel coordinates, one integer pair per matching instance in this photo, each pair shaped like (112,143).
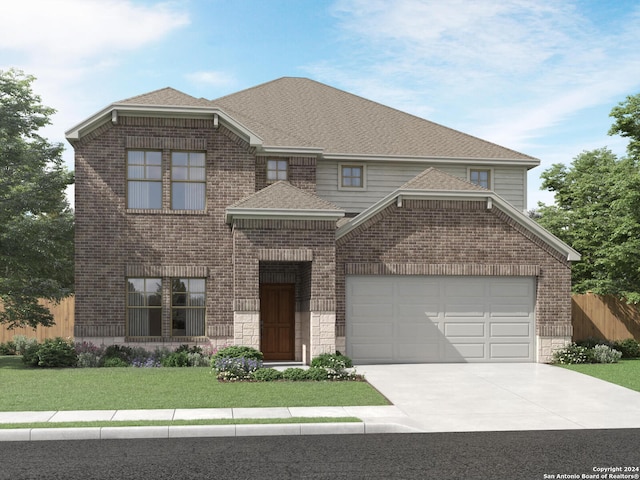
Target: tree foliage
(597,211)
(36,223)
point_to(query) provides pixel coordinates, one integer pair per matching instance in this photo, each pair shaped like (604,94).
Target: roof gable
(281,200)
(437,180)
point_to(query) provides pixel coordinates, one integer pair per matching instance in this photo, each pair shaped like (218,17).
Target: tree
(597,211)
(36,223)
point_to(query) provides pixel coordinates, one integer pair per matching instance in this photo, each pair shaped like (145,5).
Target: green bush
(237,351)
(176,359)
(573,353)
(266,375)
(122,352)
(628,347)
(198,359)
(8,348)
(317,374)
(295,374)
(332,361)
(605,354)
(57,352)
(30,354)
(23,342)
(114,362)
(233,369)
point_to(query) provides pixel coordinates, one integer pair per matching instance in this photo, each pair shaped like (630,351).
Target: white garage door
(404,319)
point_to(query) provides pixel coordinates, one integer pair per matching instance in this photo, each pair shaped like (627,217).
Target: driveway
(488,397)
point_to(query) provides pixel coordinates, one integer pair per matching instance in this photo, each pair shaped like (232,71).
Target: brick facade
(435,237)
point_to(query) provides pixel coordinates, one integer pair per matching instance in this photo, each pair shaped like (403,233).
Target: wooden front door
(277,321)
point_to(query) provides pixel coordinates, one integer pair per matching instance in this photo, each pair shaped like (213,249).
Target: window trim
(145,180)
(362,166)
(187,307)
(277,170)
(481,169)
(129,307)
(172,181)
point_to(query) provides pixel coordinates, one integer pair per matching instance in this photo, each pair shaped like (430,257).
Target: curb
(191,431)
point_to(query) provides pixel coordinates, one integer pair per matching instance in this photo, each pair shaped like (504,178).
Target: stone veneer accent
(452,237)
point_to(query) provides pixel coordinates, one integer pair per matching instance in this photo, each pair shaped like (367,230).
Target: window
(187,307)
(480,177)
(144,307)
(276,170)
(352,176)
(188,180)
(144,179)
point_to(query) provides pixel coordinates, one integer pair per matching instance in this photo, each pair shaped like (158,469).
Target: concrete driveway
(490,397)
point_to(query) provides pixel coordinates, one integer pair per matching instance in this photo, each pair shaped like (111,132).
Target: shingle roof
(434,179)
(167,97)
(300,112)
(284,196)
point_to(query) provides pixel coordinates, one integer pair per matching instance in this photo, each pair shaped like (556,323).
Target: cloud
(508,70)
(71,32)
(211,79)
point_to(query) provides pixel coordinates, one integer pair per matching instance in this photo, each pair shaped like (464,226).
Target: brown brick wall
(111,241)
(454,238)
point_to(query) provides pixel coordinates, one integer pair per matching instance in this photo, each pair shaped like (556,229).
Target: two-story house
(299,219)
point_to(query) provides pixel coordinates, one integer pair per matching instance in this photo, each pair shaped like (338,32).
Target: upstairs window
(276,170)
(352,176)
(188,180)
(480,177)
(188,307)
(144,179)
(144,307)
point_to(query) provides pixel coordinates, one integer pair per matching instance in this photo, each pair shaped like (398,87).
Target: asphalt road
(486,455)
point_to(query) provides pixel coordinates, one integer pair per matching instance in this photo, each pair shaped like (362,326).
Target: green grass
(625,373)
(172,423)
(35,389)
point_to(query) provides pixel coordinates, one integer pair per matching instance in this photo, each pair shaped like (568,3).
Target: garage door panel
(514,351)
(440,319)
(510,330)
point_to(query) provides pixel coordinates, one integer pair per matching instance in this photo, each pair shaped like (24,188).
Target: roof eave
(112,112)
(233,213)
(492,199)
(521,162)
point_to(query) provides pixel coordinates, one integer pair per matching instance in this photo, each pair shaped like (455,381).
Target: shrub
(176,359)
(628,347)
(317,374)
(266,375)
(295,374)
(30,354)
(605,354)
(237,351)
(8,348)
(115,362)
(122,352)
(332,361)
(196,359)
(89,355)
(22,343)
(57,352)
(232,368)
(572,353)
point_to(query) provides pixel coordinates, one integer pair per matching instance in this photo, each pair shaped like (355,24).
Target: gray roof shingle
(437,180)
(284,196)
(166,97)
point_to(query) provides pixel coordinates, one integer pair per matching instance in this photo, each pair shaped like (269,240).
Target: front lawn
(27,389)
(625,372)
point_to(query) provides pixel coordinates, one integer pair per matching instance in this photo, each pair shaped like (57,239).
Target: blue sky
(538,76)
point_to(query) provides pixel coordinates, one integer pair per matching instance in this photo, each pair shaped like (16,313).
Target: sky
(537,76)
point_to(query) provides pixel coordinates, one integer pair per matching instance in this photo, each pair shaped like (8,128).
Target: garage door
(403,319)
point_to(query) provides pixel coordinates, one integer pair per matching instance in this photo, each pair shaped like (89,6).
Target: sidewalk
(375,419)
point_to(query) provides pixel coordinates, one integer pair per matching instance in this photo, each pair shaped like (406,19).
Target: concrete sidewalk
(375,419)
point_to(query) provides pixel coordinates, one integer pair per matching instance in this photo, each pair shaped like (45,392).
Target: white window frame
(362,166)
(481,169)
(277,170)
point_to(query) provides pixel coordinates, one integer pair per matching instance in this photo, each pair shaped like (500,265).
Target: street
(480,455)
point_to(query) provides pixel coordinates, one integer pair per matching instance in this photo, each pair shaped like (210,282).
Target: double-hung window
(144,179)
(188,181)
(144,307)
(188,307)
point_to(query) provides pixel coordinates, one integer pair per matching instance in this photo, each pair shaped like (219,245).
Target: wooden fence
(604,317)
(63,314)
(593,316)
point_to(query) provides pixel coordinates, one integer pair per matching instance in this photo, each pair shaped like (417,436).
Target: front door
(277,321)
